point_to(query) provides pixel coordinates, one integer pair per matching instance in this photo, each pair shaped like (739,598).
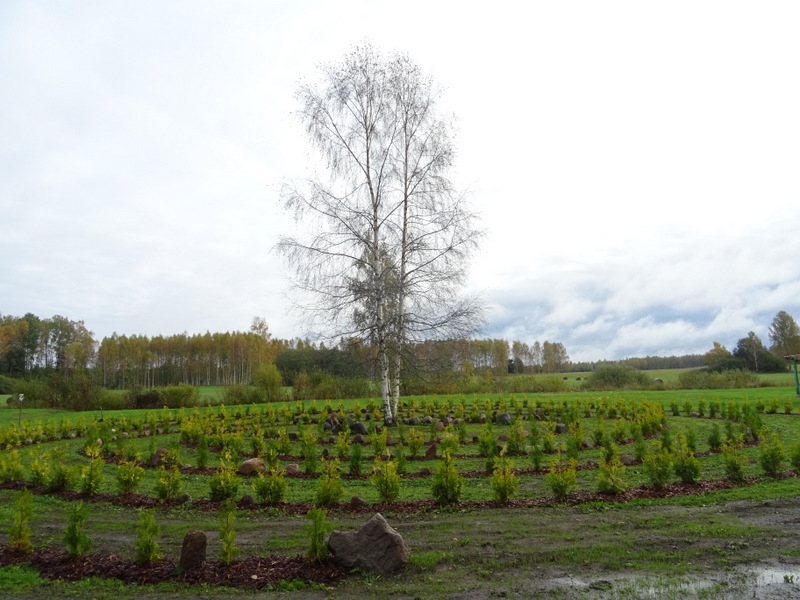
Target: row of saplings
(661,459)
(357,549)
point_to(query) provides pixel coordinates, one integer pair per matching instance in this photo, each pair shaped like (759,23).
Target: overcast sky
(636,164)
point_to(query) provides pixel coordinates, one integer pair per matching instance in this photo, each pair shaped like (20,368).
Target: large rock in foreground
(376,547)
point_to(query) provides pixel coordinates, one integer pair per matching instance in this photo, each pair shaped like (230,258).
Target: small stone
(193,550)
(358,502)
(158,456)
(359,428)
(252,466)
(430,453)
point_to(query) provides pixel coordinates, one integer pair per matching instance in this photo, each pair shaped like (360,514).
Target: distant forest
(31,347)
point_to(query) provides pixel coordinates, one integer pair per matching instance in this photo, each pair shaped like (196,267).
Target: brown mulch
(252,572)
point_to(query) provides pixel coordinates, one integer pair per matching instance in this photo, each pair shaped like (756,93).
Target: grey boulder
(376,547)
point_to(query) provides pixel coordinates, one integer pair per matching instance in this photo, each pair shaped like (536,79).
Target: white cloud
(635,164)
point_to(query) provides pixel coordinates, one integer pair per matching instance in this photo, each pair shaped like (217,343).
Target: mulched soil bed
(253,572)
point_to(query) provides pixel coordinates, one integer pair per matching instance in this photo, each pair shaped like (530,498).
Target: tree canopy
(387,237)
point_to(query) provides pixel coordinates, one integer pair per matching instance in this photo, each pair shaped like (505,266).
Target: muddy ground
(740,549)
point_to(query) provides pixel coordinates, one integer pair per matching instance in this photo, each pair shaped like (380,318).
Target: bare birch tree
(387,236)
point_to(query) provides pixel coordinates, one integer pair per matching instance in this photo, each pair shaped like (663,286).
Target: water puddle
(765,583)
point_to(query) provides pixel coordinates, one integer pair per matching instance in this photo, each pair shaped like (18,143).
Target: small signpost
(793,358)
(19,420)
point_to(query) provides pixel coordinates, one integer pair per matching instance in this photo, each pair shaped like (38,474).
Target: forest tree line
(31,346)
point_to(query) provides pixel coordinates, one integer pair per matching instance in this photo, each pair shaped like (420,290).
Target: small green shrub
(562,477)
(92,477)
(691,440)
(39,468)
(227,532)
(666,439)
(701,407)
(402,464)
(573,447)
(462,426)
(271,489)
(715,438)
(316,531)
(686,466)
(19,534)
(329,488)
(658,465)
(449,441)
(62,476)
(599,433)
(610,473)
(771,455)
(639,445)
(504,482)
(308,450)
(343,444)
(356,456)
(386,480)
(283,443)
(224,483)
(146,548)
(378,442)
(714,408)
(487,443)
(169,483)
(10,466)
(172,458)
(75,538)
(536,454)
(415,441)
(734,462)
(447,483)
(129,474)
(202,453)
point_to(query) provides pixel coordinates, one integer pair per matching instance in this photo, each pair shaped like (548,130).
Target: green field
(475,547)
